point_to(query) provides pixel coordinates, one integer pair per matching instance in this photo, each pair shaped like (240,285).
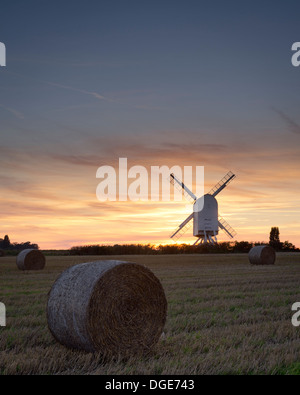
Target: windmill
(206,222)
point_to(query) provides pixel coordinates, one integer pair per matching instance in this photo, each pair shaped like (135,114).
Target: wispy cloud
(93,94)
(293,126)
(98,96)
(13,111)
(121,98)
(136,151)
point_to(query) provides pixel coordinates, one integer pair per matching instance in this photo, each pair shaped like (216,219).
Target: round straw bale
(31,259)
(262,255)
(113,307)
(2,253)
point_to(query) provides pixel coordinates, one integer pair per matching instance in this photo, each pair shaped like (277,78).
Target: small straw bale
(262,255)
(2,253)
(31,259)
(113,307)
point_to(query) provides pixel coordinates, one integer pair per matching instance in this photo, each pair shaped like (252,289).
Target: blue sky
(205,62)
(98,80)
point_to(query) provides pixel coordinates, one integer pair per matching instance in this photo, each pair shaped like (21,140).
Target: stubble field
(224,317)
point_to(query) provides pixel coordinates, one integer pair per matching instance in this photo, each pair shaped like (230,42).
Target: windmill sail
(227,228)
(222,184)
(182,228)
(180,185)
(206,221)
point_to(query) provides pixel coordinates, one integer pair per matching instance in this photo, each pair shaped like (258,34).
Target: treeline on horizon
(149,249)
(6,245)
(218,248)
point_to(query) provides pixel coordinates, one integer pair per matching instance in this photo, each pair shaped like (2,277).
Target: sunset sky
(188,83)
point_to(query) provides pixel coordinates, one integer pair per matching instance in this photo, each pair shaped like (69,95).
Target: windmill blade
(182,228)
(222,184)
(180,185)
(227,228)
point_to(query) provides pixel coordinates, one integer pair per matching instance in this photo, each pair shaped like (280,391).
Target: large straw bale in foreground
(115,307)
(262,255)
(31,259)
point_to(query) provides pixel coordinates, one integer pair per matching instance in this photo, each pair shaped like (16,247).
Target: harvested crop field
(225,316)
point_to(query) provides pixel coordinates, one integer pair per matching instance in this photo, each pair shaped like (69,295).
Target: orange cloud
(49,197)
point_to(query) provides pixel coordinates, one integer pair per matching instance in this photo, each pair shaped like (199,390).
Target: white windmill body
(205,222)
(206,219)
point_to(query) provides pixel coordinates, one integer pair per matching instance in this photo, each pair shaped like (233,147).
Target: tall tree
(6,242)
(274,238)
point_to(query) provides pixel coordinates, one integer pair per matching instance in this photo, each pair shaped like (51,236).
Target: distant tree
(242,246)
(274,239)
(6,242)
(287,246)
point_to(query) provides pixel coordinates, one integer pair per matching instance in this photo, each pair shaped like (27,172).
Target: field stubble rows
(224,317)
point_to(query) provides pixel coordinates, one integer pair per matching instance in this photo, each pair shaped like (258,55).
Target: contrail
(70,88)
(293,126)
(97,95)
(94,94)
(13,111)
